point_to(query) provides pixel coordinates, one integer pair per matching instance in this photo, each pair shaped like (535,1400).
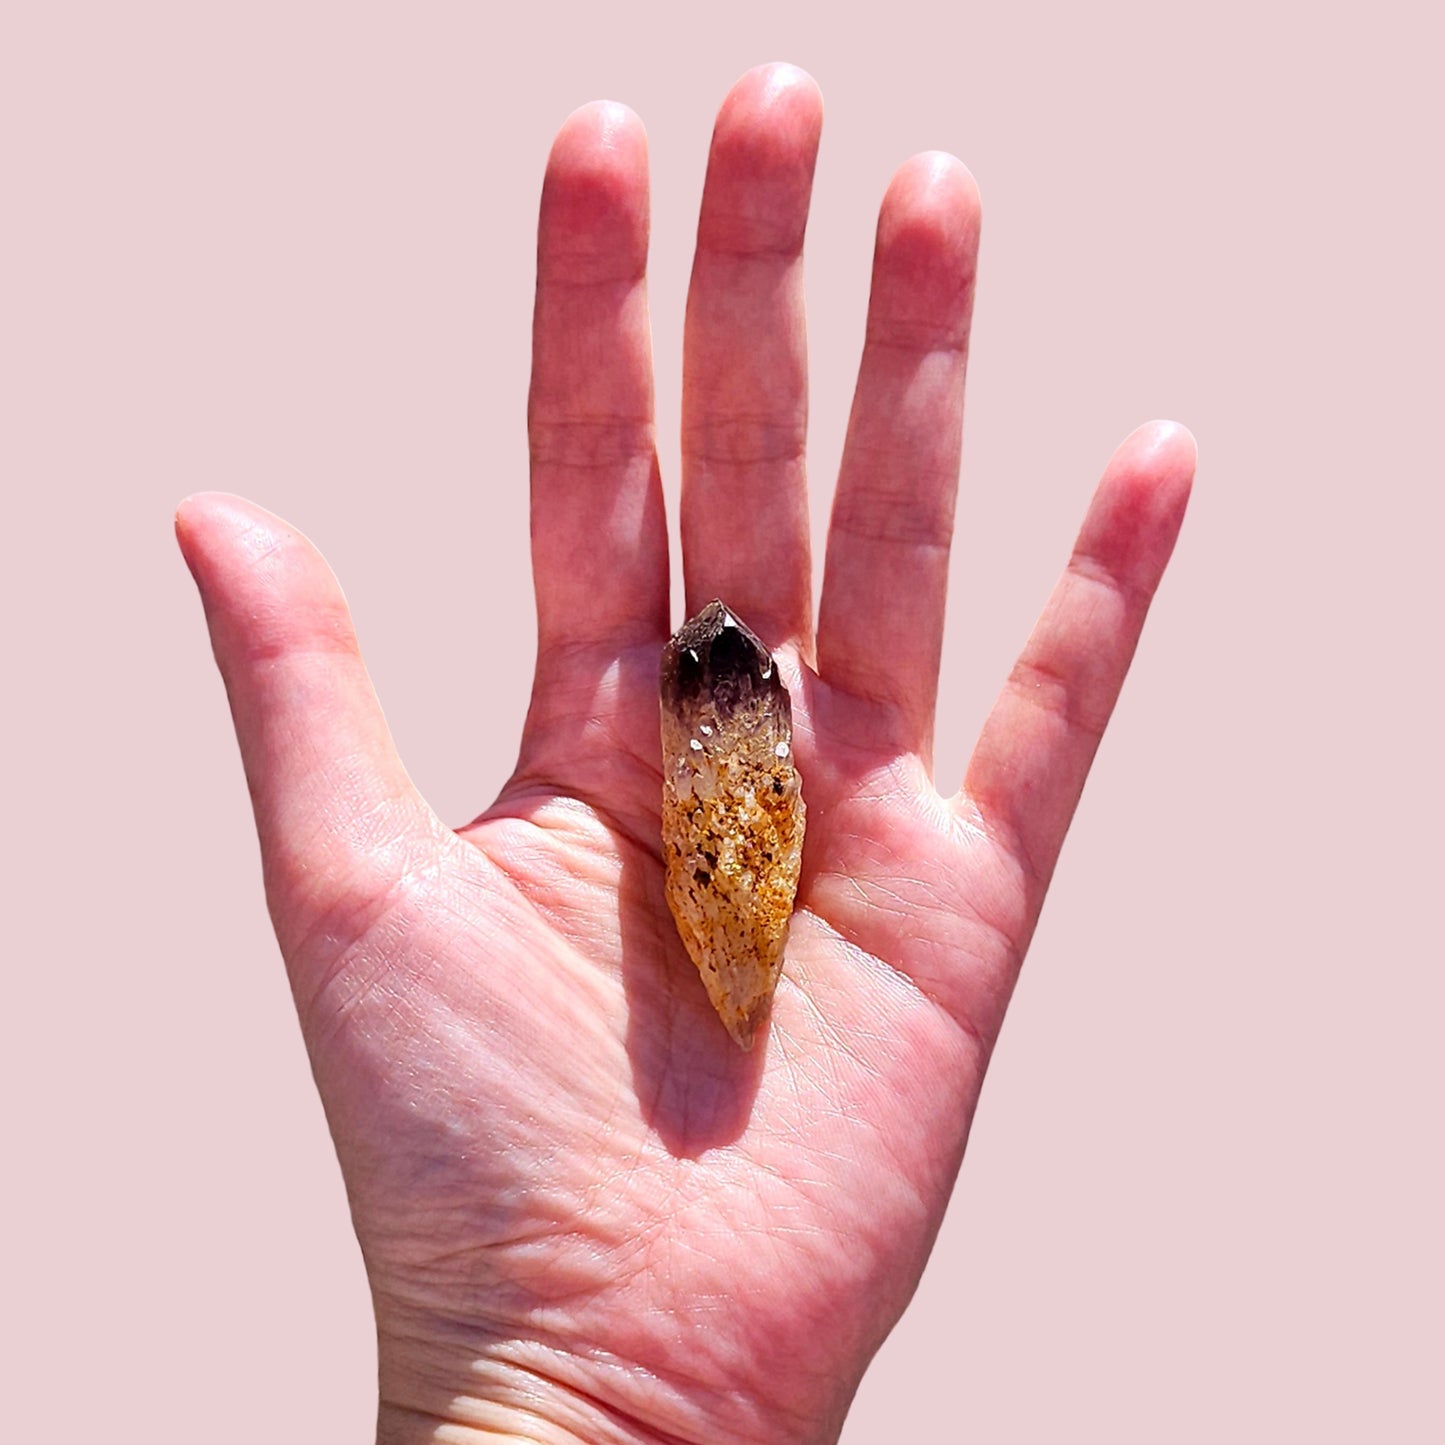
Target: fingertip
(258,576)
(594,214)
(777,76)
(197,517)
(191,512)
(600,135)
(201,510)
(201,522)
(208,524)
(1140,504)
(1156,462)
(1165,447)
(784,95)
(934,183)
(932,204)
(761,161)
(926,256)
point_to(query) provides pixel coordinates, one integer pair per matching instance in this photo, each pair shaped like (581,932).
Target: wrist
(502,1408)
(522,1391)
(445,1381)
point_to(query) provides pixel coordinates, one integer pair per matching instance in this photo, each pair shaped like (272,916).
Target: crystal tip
(715,654)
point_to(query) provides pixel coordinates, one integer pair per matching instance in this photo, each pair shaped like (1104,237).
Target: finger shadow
(694,1085)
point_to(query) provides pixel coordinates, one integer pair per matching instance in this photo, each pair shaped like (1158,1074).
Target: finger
(745,403)
(1031,760)
(337,815)
(880,625)
(599,540)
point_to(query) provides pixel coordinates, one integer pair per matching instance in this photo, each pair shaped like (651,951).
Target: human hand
(585,1214)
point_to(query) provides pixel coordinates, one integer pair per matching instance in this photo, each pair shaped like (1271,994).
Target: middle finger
(745,400)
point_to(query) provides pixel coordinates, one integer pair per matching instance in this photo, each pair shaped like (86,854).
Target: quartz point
(732,811)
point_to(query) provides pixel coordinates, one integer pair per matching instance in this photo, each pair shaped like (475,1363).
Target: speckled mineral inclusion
(732,812)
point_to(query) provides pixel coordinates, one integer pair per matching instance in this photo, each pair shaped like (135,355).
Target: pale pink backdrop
(286,250)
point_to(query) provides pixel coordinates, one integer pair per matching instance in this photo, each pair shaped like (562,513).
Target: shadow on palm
(590,780)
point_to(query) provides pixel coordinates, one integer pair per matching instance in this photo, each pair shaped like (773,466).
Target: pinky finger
(1034,753)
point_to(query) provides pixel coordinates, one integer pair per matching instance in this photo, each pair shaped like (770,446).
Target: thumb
(339,820)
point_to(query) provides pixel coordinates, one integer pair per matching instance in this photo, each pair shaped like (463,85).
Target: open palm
(585,1213)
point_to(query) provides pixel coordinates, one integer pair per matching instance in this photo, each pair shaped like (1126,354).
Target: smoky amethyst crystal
(732,811)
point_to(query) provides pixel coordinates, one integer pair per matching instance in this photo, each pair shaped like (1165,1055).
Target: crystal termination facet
(732,812)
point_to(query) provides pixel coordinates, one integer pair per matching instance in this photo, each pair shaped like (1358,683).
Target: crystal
(732,811)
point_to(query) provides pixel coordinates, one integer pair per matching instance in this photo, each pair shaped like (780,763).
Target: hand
(585,1214)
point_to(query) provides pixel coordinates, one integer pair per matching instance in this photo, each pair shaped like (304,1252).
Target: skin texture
(585,1214)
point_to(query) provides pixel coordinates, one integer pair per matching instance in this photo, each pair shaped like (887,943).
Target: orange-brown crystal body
(732,812)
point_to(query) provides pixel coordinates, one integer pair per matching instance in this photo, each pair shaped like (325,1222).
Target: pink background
(286,250)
